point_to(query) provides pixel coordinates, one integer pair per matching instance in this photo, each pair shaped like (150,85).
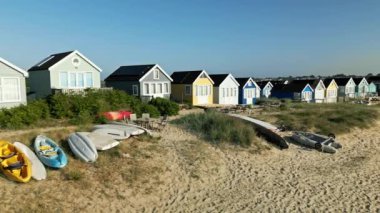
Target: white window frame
(156,74)
(67,78)
(154,88)
(135,90)
(76,73)
(166,88)
(2,92)
(160,89)
(146,89)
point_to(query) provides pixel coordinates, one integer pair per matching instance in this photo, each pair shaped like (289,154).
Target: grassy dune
(220,128)
(324,118)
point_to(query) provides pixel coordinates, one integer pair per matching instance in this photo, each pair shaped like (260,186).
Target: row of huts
(72,71)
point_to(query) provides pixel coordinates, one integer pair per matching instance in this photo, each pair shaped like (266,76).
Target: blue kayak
(49,152)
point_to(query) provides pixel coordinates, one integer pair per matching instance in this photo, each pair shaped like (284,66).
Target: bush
(165,107)
(218,128)
(23,115)
(152,110)
(81,108)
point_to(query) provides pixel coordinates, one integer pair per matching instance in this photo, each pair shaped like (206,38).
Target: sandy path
(193,176)
(297,179)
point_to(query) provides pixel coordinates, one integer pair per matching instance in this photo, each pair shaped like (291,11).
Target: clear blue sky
(246,38)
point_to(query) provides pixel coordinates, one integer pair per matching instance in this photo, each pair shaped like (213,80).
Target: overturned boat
(268,131)
(320,142)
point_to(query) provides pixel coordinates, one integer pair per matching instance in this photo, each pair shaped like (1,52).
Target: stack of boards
(85,145)
(20,163)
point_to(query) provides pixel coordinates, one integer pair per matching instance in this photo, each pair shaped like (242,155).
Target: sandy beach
(181,173)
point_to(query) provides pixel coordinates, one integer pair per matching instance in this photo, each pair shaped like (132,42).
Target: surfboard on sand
(38,169)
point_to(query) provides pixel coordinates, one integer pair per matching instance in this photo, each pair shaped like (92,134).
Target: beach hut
(331,90)
(144,81)
(361,89)
(346,88)
(266,88)
(319,90)
(63,72)
(194,87)
(226,89)
(372,90)
(297,90)
(374,83)
(12,85)
(249,91)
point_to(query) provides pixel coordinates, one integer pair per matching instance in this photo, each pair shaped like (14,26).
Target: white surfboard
(38,169)
(101,141)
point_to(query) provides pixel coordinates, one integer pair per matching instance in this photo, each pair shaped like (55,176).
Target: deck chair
(146,120)
(132,119)
(163,122)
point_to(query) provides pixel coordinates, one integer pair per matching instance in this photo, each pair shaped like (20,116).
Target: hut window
(160,88)
(73,80)
(166,88)
(135,89)
(146,88)
(63,78)
(154,86)
(187,90)
(10,89)
(80,80)
(89,82)
(156,74)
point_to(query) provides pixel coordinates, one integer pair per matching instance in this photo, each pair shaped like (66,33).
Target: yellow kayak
(14,164)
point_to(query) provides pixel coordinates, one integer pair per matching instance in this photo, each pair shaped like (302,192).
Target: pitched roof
(25,73)
(341,81)
(296,85)
(49,61)
(53,59)
(130,73)
(262,84)
(242,81)
(357,80)
(327,81)
(185,77)
(218,78)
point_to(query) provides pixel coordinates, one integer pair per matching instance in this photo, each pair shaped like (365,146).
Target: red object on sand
(117,115)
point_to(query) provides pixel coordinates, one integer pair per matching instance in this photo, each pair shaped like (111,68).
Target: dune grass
(219,128)
(323,118)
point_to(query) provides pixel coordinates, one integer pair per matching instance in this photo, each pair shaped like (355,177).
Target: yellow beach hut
(194,87)
(331,90)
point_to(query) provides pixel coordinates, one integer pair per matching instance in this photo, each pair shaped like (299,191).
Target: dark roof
(218,79)
(262,84)
(130,73)
(50,61)
(373,79)
(341,81)
(185,77)
(242,81)
(296,85)
(357,80)
(327,81)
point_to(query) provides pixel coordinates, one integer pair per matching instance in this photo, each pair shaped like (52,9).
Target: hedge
(81,108)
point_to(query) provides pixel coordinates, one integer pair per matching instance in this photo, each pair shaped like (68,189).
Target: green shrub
(165,107)
(21,116)
(218,128)
(152,110)
(81,108)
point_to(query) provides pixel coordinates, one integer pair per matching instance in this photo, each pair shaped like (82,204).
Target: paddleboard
(101,142)
(38,169)
(82,147)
